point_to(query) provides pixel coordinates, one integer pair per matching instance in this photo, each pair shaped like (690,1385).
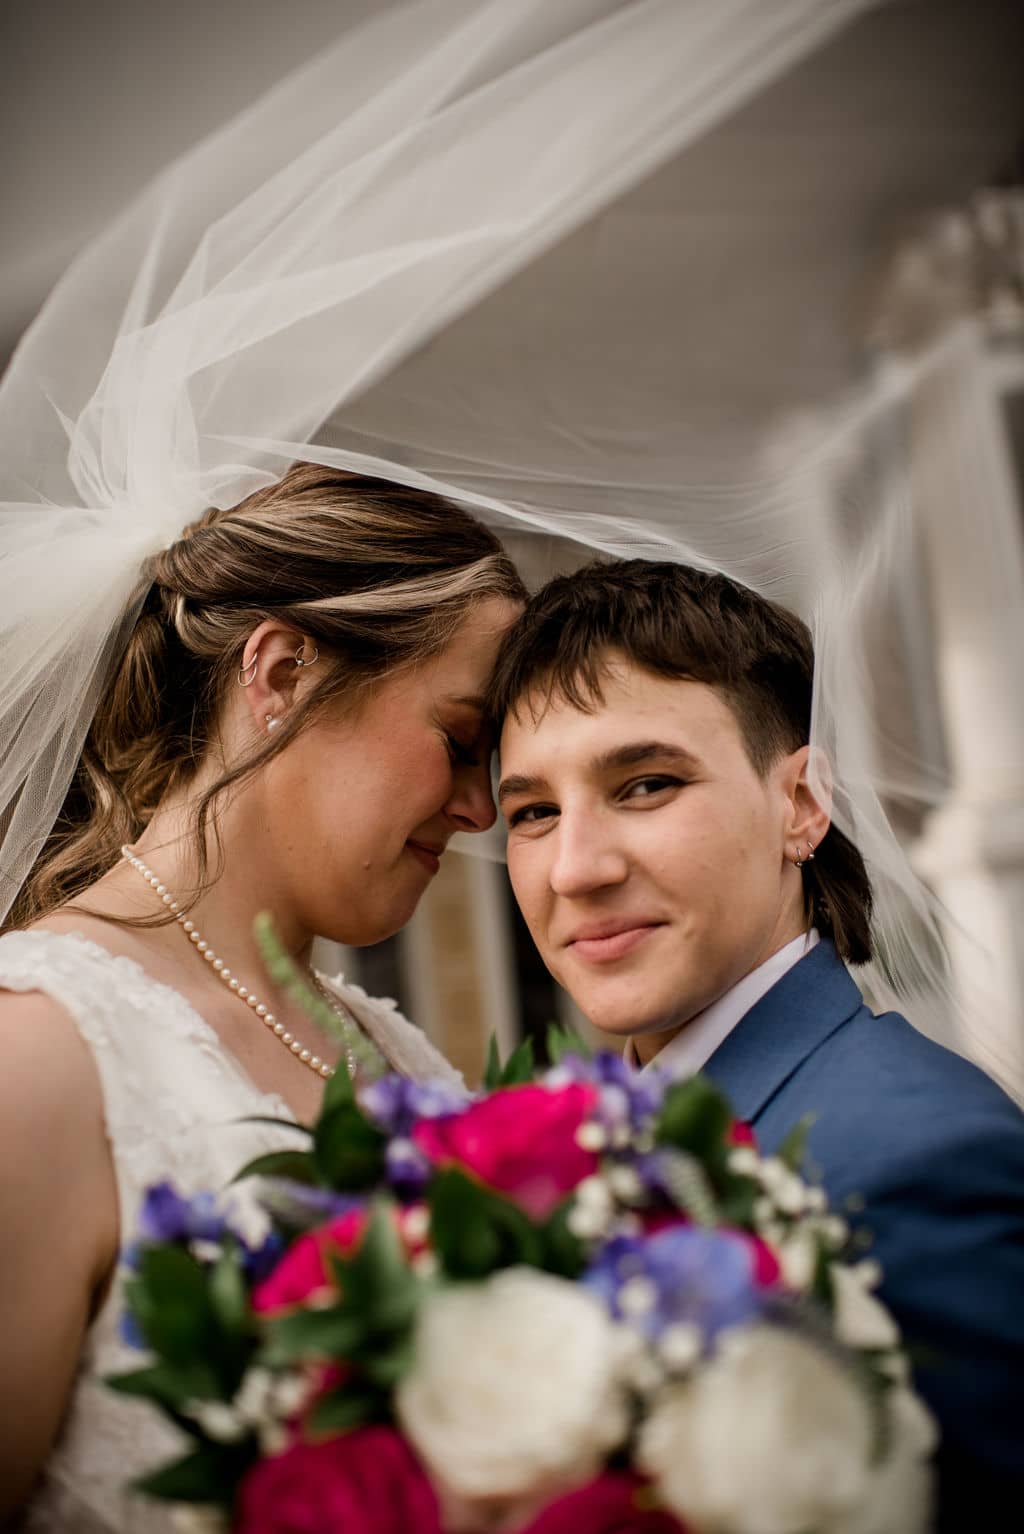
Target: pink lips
(430,857)
(602,945)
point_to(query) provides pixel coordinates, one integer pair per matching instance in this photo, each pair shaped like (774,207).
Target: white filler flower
(515,1386)
(772,1437)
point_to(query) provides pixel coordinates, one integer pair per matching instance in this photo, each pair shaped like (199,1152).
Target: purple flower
(628,1099)
(300,1205)
(259,1261)
(395,1103)
(166,1216)
(684,1275)
(131,1332)
(408,1169)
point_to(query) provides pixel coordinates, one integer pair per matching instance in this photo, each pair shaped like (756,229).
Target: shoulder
(49,1074)
(895,1106)
(50,1095)
(884,1053)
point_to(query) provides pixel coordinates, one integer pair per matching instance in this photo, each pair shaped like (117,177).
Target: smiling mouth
(605,949)
(430,857)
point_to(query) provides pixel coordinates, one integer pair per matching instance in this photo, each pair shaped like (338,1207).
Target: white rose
(860,1320)
(770,1438)
(900,1498)
(188,1519)
(515,1387)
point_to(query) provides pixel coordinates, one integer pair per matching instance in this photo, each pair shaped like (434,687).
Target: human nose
(586,857)
(471,805)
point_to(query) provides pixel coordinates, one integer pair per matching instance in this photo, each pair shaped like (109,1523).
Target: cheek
(527,875)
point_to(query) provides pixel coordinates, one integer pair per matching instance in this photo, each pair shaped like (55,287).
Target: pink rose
(304,1270)
(766,1266)
(656,1220)
(740,1133)
(364,1482)
(611,1504)
(520,1141)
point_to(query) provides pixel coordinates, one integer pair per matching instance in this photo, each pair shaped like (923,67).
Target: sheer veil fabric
(454,250)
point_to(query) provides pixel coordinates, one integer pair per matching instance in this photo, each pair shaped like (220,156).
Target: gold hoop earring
(243,680)
(300,653)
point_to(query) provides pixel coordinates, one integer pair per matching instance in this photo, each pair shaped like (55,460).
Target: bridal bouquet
(581,1302)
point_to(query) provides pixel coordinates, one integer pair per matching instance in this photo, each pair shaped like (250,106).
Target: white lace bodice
(173,1099)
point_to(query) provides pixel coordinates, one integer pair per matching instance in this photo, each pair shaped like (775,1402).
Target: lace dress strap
(405,1047)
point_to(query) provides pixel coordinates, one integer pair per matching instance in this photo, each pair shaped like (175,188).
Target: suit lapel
(813,999)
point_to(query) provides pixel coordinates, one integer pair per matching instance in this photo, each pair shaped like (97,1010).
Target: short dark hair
(692,625)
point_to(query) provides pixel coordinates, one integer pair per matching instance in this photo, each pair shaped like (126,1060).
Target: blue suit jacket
(936,1151)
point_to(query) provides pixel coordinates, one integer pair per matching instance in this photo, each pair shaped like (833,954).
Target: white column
(972,849)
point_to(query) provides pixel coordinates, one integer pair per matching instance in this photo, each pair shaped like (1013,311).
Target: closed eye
(464,756)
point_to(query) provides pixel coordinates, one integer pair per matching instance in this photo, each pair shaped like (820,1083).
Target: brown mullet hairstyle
(690,625)
(376,575)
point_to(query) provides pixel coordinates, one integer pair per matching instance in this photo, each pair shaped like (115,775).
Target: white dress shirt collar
(692,1047)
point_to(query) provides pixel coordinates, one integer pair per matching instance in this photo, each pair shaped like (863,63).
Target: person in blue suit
(682,881)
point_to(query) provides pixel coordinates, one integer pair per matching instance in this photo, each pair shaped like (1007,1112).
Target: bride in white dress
(295,726)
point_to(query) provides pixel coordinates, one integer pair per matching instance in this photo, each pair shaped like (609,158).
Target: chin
(620,1017)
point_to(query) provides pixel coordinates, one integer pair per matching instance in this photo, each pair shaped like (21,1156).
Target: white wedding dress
(173,1099)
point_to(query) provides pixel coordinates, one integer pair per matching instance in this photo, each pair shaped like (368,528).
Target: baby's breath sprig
(282,969)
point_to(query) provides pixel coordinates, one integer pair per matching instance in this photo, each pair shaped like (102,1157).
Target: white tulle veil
(454,250)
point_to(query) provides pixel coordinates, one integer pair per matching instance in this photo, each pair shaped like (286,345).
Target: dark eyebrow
(517,784)
(646,751)
(634,755)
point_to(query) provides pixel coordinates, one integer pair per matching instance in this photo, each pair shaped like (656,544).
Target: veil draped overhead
(474,246)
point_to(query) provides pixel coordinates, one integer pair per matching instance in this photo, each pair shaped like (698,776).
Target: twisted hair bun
(376,575)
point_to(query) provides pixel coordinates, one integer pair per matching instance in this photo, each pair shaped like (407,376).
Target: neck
(649,1045)
(240,883)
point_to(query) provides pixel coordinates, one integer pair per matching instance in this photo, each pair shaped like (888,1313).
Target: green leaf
(563,1253)
(229,1296)
(736,1199)
(695,1117)
(278,1123)
(169,1299)
(793,1150)
(377,1283)
(209,1473)
(387,1367)
(563,1041)
(346,1408)
(474,1231)
(168,1386)
(297,1166)
(334,1332)
(492,1070)
(520,1066)
(339,1091)
(349,1150)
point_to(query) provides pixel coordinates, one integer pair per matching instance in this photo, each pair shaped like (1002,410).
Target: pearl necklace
(302,1054)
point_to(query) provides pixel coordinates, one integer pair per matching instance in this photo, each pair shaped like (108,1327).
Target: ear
(807,783)
(274,671)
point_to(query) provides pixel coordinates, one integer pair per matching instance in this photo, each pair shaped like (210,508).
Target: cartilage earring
(272,721)
(300,655)
(247,681)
